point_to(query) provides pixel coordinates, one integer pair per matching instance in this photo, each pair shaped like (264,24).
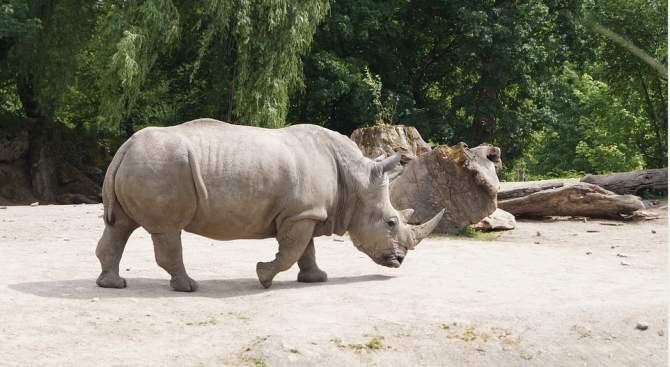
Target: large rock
(14,185)
(14,146)
(462,182)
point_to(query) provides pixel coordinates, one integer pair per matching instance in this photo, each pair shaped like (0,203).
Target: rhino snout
(392,260)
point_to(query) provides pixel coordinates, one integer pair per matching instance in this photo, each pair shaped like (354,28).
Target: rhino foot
(266,273)
(312,276)
(109,280)
(183,284)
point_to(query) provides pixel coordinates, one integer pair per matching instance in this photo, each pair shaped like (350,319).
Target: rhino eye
(392,222)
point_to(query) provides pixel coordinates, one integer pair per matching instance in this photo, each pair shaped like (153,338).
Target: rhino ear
(380,158)
(385,165)
(391,162)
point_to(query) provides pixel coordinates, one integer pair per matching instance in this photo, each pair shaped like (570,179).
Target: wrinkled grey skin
(228,182)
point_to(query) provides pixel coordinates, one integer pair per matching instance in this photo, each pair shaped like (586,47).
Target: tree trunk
(460,180)
(580,199)
(42,170)
(375,140)
(484,121)
(453,178)
(488,151)
(631,182)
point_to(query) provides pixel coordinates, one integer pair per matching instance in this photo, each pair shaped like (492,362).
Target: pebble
(96,299)
(642,325)
(625,263)
(621,255)
(35,204)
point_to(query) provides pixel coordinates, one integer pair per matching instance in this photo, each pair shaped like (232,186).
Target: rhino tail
(108,192)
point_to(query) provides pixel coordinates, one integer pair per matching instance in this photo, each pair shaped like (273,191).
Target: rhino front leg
(168,252)
(293,239)
(309,271)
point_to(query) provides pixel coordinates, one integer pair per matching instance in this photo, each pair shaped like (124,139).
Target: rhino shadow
(157,288)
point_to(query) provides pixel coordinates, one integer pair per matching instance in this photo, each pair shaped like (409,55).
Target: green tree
(259,43)
(633,81)
(91,64)
(457,70)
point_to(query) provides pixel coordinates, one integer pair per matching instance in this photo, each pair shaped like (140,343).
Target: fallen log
(510,190)
(579,199)
(631,182)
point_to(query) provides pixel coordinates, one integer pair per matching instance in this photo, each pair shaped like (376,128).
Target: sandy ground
(549,293)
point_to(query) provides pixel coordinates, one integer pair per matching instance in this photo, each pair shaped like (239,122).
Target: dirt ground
(548,293)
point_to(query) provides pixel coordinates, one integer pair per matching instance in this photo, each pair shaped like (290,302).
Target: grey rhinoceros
(228,182)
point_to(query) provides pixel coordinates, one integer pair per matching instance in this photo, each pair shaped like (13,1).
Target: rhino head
(377,229)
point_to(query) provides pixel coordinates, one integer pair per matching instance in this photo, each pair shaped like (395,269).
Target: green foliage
(385,111)
(39,46)
(554,84)
(435,61)
(639,87)
(244,56)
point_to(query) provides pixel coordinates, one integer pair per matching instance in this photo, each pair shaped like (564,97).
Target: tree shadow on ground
(157,288)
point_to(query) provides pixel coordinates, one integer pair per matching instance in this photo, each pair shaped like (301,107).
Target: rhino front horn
(422,231)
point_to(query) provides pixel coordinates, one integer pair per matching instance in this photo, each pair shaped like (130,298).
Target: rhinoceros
(225,182)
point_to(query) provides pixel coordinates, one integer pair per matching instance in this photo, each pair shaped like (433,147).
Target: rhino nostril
(400,258)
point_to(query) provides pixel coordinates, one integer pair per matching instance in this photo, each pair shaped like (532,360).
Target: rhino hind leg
(110,249)
(309,271)
(168,253)
(293,238)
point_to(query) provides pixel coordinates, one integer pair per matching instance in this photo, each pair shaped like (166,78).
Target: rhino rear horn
(422,231)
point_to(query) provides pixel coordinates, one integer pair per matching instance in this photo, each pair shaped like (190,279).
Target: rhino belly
(230,220)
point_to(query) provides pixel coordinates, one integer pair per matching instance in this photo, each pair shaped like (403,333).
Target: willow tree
(263,41)
(86,62)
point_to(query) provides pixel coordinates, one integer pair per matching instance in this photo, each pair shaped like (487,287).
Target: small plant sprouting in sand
(373,345)
(472,334)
